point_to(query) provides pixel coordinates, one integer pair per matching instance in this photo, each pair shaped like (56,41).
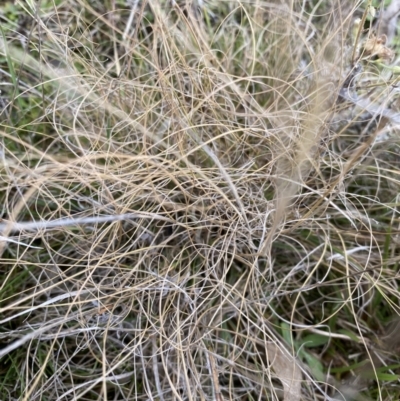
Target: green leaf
(387,377)
(345,369)
(314,340)
(315,365)
(382,375)
(286,333)
(350,334)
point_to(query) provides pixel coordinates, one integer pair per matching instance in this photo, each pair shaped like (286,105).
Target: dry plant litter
(200,200)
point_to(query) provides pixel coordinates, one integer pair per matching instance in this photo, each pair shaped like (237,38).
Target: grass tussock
(199,201)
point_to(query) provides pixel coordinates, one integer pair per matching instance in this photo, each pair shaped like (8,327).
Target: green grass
(212,220)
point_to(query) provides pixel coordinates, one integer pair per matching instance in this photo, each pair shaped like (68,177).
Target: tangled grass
(200,201)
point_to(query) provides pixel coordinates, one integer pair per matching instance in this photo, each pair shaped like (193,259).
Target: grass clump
(200,201)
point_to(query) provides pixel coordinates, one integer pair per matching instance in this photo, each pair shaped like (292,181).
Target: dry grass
(195,206)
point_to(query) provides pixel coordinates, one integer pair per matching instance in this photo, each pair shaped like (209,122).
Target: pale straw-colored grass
(192,206)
